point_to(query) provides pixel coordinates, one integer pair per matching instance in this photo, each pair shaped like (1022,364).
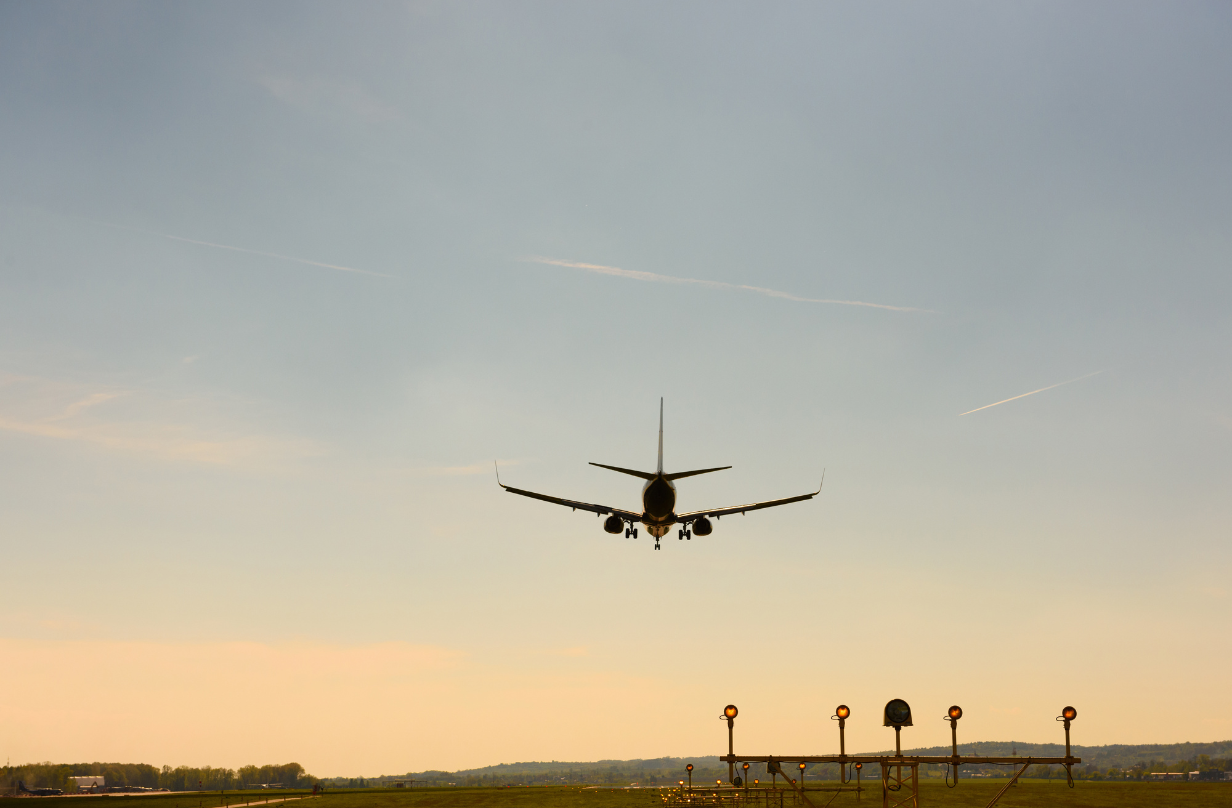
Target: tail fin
(660,434)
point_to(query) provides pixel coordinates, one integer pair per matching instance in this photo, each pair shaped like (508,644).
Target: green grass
(968,793)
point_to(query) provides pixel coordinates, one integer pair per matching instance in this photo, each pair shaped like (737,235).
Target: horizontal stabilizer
(645,475)
(680,474)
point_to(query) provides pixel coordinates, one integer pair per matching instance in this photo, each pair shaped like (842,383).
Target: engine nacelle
(613,524)
(702,526)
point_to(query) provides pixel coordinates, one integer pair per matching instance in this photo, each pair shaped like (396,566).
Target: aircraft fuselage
(658,505)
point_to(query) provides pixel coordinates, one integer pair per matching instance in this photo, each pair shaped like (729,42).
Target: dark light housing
(955,712)
(1069,713)
(897,713)
(730,711)
(843,711)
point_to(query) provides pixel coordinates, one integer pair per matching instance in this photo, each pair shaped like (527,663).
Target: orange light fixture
(843,711)
(730,711)
(1069,713)
(955,712)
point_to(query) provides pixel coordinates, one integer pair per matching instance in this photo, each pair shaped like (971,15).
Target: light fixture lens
(1069,713)
(897,713)
(730,711)
(859,766)
(843,711)
(746,767)
(956,712)
(689,767)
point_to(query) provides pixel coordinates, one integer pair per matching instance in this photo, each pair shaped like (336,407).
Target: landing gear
(685,534)
(656,544)
(631,532)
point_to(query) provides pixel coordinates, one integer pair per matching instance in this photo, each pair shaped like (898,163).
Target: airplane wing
(569,503)
(753,506)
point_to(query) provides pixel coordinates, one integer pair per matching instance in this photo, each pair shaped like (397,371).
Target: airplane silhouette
(658,502)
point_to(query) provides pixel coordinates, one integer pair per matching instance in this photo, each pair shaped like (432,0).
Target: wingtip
(823,481)
(497,467)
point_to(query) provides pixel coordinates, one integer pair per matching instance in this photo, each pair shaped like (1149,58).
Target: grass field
(968,793)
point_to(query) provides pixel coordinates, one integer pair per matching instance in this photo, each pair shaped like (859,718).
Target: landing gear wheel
(626,533)
(656,545)
(688,535)
(635,533)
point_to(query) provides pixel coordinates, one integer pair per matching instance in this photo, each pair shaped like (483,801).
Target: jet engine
(702,526)
(613,524)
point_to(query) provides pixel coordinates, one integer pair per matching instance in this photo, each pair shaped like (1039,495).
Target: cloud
(230,247)
(148,424)
(278,256)
(320,97)
(482,467)
(638,275)
(1033,392)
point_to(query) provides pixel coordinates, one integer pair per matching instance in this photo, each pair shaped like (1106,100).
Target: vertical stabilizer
(660,435)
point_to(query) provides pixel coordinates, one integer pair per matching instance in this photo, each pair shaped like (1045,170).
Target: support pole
(731,751)
(1008,785)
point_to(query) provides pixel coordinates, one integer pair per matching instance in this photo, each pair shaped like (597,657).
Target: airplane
(658,502)
(39,792)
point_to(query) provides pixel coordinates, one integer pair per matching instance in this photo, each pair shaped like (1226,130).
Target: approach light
(746,767)
(859,766)
(843,711)
(801,767)
(680,782)
(689,767)
(897,713)
(718,782)
(730,711)
(1069,713)
(756,781)
(955,713)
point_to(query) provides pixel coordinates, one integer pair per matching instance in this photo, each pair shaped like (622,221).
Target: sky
(280,282)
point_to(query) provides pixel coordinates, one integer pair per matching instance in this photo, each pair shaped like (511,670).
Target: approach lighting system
(842,712)
(859,766)
(746,767)
(689,767)
(955,713)
(680,782)
(730,711)
(1069,713)
(897,713)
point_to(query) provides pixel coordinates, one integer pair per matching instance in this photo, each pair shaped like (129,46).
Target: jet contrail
(651,276)
(276,255)
(1033,392)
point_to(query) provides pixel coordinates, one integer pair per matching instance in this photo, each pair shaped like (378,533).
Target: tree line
(143,775)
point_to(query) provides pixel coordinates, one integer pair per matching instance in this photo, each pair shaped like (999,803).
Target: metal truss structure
(900,774)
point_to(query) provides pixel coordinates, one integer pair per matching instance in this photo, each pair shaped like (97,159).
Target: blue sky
(279,281)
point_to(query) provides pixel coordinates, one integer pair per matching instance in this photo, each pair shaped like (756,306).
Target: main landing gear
(631,531)
(685,534)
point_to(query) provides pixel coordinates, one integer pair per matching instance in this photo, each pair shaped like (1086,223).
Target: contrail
(1033,392)
(276,255)
(651,276)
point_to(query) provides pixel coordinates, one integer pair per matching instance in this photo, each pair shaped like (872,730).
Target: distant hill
(1096,761)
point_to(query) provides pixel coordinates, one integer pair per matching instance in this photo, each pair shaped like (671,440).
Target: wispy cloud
(1033,392)
(147,424)
(638,275)
(482,467)
(347,99)
(277,255)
